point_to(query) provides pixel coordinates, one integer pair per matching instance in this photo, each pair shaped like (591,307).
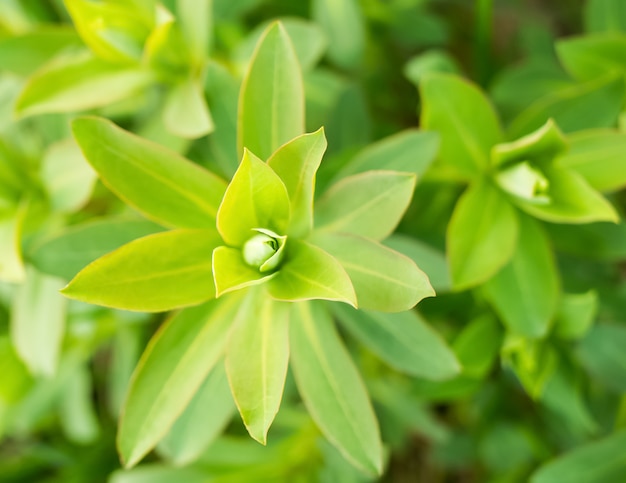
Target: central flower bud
(526,181)
(264,251)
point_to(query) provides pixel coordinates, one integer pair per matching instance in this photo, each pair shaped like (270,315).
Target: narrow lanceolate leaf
(525,291)
(296,163)
(309,272)
(65,254)
(601,460)
(186,112)
(571,200)
(255,198)
(481,236)
(598,155)
(68,85)
(331,387)
(383,279)
(206,416)
(160,183)
(175,364)
(402,340)
(464,118)
(256,361)
(271,102)
(231,272)
(369,204)
(38,322)
(152,274)
(411,151)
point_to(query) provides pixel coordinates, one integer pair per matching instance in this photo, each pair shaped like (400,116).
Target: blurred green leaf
(592,56)
(186,113)
(77,410)
(601,353)
(477,345)
(605,16)
(575,314)
(403,340)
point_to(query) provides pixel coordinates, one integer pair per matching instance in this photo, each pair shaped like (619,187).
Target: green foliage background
(508,113)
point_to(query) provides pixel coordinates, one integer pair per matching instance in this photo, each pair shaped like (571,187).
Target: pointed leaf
(11,265)
(203,420)
(464,118)
(38,322)
(410,151)
(591,56)
(383,279)
(271,102)
(65,254)
(255,198)
(186,112)
(68,83)
(368,204)
(231,272)
(598,155)
(152,274)
(256,361)
(160,183)
(571,200)
(332,389)
(296,163)
(402,340)
(307,273)
(525,291)
(173,367)
(481,236)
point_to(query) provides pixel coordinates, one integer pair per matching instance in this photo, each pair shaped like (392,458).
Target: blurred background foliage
(549,409)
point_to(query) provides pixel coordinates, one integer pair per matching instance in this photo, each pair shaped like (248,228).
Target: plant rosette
(252,253)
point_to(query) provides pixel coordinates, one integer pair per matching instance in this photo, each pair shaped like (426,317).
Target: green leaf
(601,353)
(11,265)
(296,163)
(186,113)
(271,102)
(16,381)
(203,420)
(411,151)
(196,19)
(161,184)
(332,389)
(138,276)
(38,322)
(308,272)
(256,361)
(231,272)
(477,345)
(367,204)
(344,25)
(430,260)
(383,279)
(255,198)
(67,176)
(591,56)
(171,370)
(430,62)
(115,32)
(570,200)
(23,54)
(68,84)
(465,120)
(539,147)
(77,408)
(605,16)
(575,314)
(524,293)
(600,460)
(65,254)
(158,473)
(592,104)
(598,155)
(402,340)
(481,236)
